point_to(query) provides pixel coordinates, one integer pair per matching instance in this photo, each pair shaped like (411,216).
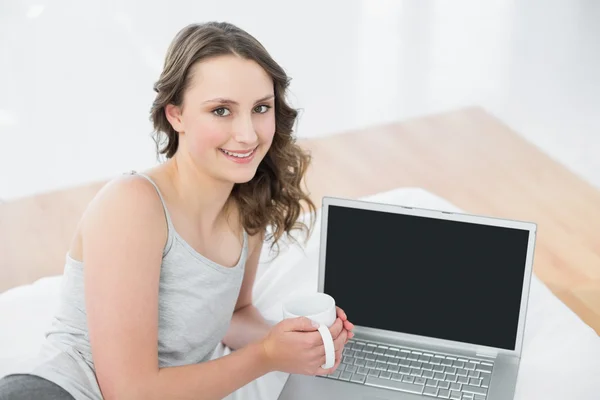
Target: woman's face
(227,121)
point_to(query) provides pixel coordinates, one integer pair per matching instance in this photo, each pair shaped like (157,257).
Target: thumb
(300,324)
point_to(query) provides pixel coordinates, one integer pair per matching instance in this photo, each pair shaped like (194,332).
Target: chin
(240,177)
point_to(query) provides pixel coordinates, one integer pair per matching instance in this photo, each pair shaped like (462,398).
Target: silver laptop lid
(434,277)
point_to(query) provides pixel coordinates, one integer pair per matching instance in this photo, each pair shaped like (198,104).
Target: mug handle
(329,347)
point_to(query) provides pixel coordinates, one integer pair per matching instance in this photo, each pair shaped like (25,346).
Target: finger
(314,340)
(302,324)
(336,328)
(322,371)
(348,325)
(340,341)
(341,314)
(350,336)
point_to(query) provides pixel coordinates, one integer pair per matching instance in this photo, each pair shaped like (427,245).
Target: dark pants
(23,386)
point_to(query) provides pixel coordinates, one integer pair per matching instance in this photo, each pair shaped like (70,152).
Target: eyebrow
(229,101)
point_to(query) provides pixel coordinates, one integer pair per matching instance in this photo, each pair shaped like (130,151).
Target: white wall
(76,76)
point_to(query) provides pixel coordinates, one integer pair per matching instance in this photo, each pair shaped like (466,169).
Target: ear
(173,114)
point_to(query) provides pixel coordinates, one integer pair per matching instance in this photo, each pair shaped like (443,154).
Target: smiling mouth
(239,155)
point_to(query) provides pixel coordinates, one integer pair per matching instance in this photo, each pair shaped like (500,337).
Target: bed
(561,354)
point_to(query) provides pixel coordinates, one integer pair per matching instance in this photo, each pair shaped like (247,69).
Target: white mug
(318,307)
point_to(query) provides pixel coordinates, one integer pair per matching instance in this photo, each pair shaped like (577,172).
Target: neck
(204,198)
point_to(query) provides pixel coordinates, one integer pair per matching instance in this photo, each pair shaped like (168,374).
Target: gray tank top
(196,302)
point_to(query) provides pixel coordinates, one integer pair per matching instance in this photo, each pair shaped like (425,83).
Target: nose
(244,131)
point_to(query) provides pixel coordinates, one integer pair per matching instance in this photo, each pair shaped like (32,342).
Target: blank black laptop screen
(423,276)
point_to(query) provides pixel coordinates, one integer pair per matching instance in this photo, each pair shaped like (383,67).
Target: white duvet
(561,354)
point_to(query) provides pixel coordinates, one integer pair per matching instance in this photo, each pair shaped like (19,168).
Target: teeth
(238,155)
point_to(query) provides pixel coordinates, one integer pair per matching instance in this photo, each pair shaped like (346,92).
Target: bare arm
(124,232)
(247,324)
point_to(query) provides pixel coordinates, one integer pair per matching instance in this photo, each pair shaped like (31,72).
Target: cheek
(265,128)
(208,135)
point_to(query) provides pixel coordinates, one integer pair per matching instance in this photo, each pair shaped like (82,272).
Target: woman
(162,265)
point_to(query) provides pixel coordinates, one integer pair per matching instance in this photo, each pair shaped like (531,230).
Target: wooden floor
(476,162)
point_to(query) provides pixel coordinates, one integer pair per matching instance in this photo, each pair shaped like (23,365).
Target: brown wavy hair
(272,201)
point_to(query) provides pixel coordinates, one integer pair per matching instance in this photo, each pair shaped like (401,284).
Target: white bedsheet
(561,354)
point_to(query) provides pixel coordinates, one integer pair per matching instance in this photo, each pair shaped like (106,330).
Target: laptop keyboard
(407,370)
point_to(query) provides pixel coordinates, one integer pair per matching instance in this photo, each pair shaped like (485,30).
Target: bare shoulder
(128,204)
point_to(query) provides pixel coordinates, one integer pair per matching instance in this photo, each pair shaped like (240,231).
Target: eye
(261,109)
(221,112)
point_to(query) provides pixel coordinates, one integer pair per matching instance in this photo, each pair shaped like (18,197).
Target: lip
(240,160)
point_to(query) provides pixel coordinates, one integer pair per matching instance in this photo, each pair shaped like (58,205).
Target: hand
(348,326)
(341,335)
(295,346)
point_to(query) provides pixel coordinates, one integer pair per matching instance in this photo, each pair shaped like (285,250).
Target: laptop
(438,300)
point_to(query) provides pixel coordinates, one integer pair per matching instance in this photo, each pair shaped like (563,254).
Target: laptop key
(360,363)
(397,377)
(385,375)
(485,382)
(358,378)
(351,368)
(444,394)
(394,368)
(427,374)
(484,368)
(345,376)
(427,367)
(420,381)
(362,371)
(474,390)
(475,382)
(432,382)
(373,372)
(443,385)
(470,366)
(454,395)
(463,379)
(430,391)
(394,385)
